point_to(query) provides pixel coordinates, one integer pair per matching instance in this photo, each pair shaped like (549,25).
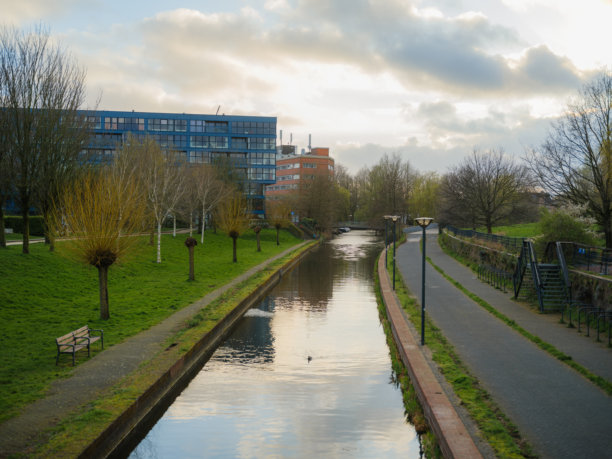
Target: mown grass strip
(413,409)
(77,431)
(496,428)
(552,350)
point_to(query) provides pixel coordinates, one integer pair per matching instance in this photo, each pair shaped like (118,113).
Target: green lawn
(521,230)
(44,295)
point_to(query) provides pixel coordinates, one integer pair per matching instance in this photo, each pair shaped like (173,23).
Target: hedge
(16,223)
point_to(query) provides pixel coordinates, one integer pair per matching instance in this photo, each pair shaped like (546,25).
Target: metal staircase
(547,280)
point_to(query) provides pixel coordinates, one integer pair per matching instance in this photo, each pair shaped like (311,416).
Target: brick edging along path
(452,435)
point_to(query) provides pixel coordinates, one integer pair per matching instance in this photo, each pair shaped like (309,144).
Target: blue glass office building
(248,142)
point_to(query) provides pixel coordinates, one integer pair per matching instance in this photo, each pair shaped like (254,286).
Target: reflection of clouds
(340,403)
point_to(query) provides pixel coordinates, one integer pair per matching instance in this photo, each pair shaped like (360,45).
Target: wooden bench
(77,340)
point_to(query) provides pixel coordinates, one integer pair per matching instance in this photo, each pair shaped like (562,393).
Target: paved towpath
(557,410)
(20,434)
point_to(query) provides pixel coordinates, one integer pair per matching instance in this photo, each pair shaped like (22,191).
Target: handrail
(519,272)
(564,270)
(535,273)
(507,241)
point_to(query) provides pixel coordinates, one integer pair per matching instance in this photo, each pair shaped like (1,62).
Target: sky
(429,80)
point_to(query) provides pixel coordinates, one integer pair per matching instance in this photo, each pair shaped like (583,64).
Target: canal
(306,374)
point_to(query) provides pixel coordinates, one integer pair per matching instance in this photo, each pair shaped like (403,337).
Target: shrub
(16,223)
(560,226)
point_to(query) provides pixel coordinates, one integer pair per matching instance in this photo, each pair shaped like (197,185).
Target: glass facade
(248,143)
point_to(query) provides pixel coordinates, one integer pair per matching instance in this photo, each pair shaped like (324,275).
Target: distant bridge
(358,226)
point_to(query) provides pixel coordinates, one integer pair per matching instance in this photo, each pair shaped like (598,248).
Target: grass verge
(73,434)
(552,350)
(496,428)
(45,295)
(413,410)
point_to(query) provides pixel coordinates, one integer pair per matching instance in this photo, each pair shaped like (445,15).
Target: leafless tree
(487,188)
(387,189)
(41,89)
(575,162)
(161,175)
(209,189)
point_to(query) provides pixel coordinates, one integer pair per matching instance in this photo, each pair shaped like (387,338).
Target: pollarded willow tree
(41,89)
(575,162)
(99,213)
(232,217)
(278,214)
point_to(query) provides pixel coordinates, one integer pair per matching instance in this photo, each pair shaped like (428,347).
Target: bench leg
(57,358)
(73,354)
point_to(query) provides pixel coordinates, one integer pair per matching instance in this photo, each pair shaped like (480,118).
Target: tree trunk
(234,239)
(2,228)
(159,242)
(49,240)
(191,268)
(190,224)
(26,229)
(202,225)
(608,233)
(174,228)
(103,283)
(277,231)
(258,243)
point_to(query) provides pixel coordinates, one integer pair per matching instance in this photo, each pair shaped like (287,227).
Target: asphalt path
(560,413)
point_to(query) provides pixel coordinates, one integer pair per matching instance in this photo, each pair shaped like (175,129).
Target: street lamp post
(394,218)
(423,222)
(386,217)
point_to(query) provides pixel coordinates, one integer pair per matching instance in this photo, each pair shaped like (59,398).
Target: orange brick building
(293,170)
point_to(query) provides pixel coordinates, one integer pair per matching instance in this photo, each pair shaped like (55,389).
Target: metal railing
(510,243)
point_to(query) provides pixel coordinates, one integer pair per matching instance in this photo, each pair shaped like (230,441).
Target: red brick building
(293,170)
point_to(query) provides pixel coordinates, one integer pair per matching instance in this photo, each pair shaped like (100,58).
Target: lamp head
(424,222)
(394,218)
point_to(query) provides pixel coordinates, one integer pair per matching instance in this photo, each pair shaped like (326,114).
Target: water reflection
(307,374)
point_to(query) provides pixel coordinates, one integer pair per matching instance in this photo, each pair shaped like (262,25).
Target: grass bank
(73,434)
(496,428)
(45,295)
(413,409)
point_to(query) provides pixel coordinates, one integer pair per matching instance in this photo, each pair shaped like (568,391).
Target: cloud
(19,12)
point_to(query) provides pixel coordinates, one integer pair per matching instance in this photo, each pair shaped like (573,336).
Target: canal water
(306,374)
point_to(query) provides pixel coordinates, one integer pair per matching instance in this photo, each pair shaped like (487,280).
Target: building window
(197,125)
(253,127)
(204,141)
(310,165)
(216,126)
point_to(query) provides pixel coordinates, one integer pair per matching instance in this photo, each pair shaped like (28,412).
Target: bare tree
(387,189)
(209,189)
(5,171)
(320,200)
(99,213)
(233,217)
(162,176)
(575,162)
(41,89)
(488,187)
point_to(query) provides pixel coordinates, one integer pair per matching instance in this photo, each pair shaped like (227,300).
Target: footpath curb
(125,431)
(453,437)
